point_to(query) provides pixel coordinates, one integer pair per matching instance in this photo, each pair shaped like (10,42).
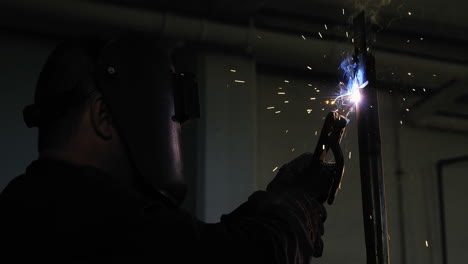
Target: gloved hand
(302,173)
(307,184)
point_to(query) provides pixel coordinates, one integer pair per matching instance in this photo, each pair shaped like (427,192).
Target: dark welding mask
(148,102)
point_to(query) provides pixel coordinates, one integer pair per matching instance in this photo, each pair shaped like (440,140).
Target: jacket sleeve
(269,229)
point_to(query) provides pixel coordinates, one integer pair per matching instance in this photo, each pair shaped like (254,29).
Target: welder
(108,181)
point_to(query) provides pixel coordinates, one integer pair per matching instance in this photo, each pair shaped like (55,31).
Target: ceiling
(427,38)
(429,17)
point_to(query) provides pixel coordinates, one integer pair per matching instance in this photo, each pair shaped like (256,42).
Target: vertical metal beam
(370,155)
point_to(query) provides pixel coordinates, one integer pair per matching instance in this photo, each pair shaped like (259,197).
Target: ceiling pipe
(62,17)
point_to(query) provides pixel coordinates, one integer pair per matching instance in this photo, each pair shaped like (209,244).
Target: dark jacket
(60,213)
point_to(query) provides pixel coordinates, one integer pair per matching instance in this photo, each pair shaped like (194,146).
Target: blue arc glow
(354,80)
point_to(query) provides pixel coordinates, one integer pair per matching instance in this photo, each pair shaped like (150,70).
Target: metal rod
(440,185)
(370,155)
(399,175)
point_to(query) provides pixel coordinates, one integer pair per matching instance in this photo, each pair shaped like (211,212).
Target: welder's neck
(122,174)
(65,156)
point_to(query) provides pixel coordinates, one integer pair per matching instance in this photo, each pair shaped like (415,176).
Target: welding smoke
(372,7)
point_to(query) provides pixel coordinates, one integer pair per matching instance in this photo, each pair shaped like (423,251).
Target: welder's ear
(101,118)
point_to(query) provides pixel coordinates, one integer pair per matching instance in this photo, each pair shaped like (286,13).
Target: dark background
(422,67)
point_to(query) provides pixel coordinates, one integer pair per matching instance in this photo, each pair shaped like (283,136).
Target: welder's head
(65,84)
(134,82)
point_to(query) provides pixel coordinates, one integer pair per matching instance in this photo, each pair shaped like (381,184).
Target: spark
(424,89)
(323,146)
(280,88)
(435,75)
(281,93)
(326,28)
(315,132)
(370,217)
(286,81)
(409,73)
(286,102)
(318,91)
(323,109)
(401,122)
(292,150)
(349,155)
(320,34)
(347,35)
(239,81)
(277,112)
(327,102)
(367,48)
(313,98)
(309,111)
(275,169)
(421,38)
(343,11)
(308,67)
(270,107)
(427,243)
(259,37)
(352,40)
(310,85)
(409,13)
(404,99)
(408,41)
(233,70)
(303,37)
(287,130)
(407,109)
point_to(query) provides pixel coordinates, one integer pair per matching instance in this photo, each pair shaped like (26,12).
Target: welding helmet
(148,102)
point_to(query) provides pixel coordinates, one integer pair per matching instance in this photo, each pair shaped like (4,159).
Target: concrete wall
(229,136)
(21,59)
(455,197)
(420,152)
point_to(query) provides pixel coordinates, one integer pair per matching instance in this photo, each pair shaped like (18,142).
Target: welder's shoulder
(15,202)
(14,190)
(23,195)
(15,209)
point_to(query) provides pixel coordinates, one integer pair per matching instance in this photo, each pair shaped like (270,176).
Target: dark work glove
(289,224)
(307,184)
(302,174)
